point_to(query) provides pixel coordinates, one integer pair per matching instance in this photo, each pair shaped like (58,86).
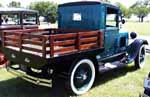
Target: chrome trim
(34,80)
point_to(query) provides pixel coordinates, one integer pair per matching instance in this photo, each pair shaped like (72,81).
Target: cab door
(111,31)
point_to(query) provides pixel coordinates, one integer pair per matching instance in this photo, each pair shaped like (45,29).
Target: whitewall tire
(140,58)
(82,76)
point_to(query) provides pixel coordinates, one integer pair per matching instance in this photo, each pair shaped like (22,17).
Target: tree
(125,11)
(46,9)
(14,4)
(51,13)
(141,9)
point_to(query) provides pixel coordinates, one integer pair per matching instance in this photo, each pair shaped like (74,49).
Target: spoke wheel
(139,61)
(82,76)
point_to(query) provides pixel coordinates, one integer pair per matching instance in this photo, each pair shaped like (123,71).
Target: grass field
(125,82)
(140,28)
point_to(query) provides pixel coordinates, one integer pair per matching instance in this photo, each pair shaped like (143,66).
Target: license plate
(147,83)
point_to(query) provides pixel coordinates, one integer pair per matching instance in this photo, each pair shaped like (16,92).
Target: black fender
(134,47)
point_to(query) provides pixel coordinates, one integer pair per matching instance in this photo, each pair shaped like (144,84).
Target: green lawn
(140,28)
(125,82)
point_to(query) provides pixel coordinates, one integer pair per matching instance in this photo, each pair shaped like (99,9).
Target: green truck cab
(88,41)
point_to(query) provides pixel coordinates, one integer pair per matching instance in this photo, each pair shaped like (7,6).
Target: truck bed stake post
(51,45)
(3,39)
(44,47)
(20,41)
(78,41)
(100,39)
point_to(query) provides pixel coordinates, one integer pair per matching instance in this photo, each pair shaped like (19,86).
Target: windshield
(29,19)
(18,19)
(9,19)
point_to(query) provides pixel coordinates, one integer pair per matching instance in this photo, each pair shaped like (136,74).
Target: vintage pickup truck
(17,18)
(88,41)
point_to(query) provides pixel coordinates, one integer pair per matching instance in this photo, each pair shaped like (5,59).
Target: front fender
(133,48)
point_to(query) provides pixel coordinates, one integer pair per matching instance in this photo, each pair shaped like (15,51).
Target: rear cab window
(111,18)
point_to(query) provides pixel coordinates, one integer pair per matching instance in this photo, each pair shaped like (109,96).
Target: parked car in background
(17,18)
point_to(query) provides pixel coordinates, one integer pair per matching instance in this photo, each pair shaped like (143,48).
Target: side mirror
(123,21)
(133,35)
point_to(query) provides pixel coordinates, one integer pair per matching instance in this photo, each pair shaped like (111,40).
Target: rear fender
(134,47)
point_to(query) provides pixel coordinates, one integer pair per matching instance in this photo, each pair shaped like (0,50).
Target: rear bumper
(32,79)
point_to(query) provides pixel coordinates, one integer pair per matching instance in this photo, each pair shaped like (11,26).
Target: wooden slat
(10,43)
(88,46)
(31,49)
(66,52)
(63,43)
(24,34)
(88,40)
(35,39)
(33,36)
(91,33)
(65,49)
(12,33)
(11,38)
(32,42)
(64,36)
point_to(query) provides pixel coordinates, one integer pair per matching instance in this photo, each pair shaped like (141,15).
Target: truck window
(10,19)
(29,19)
(111,18)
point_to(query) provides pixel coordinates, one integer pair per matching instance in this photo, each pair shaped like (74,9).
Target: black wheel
(140,58)
(82,76)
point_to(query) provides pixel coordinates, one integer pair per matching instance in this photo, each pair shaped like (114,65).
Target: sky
(25,3)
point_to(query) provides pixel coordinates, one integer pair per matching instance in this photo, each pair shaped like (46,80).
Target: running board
(110,66)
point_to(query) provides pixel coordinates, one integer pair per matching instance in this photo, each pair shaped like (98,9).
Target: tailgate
(24,58)
(24,47)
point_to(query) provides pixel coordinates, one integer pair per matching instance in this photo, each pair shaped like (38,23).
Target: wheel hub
(81,77)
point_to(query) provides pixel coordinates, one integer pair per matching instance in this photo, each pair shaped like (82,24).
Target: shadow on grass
(110,75)
(19,88)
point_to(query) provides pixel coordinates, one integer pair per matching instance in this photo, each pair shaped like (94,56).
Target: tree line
(141,8)
(46,9)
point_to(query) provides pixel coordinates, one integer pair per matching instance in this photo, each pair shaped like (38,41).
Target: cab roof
(88,3)
(16,10)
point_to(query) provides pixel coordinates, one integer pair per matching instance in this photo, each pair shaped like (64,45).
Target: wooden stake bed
(50,43)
